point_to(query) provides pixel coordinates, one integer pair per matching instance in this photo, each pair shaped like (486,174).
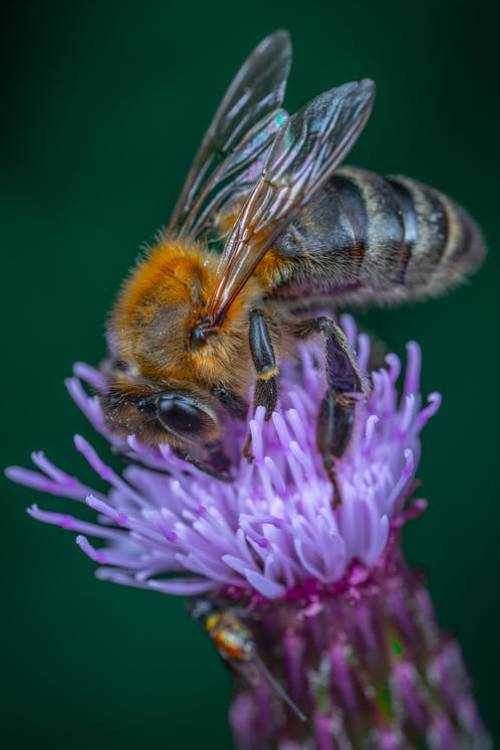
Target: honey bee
(268,231)
(236,646)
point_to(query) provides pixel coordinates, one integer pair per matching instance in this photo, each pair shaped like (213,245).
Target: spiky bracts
(368,667)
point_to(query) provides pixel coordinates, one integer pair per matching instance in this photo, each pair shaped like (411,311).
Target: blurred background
(103,105)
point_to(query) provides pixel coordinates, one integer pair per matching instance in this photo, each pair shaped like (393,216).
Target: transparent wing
(234,148)
(303,156)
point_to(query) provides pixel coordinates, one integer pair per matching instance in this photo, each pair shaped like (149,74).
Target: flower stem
(367,666)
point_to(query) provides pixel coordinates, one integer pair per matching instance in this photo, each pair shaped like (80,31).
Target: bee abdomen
(367,238)
(445,242)
(416,239)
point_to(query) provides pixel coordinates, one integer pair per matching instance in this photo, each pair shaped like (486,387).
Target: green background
(103,105)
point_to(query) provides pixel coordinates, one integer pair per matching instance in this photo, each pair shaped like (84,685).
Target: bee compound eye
(180,415)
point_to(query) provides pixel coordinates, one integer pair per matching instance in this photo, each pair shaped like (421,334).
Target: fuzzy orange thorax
(158,307)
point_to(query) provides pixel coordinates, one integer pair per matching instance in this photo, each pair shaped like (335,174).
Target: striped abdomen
(367,238)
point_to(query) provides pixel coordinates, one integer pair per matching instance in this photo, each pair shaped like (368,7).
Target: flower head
(272,531)
(338,628)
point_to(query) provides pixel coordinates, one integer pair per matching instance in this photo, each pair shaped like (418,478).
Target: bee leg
(212,470)
(261,348)
(231,401)
(336,414)
(126,455)
(333,433)
(217,458)
(217,467)
(266,395)
(266,387)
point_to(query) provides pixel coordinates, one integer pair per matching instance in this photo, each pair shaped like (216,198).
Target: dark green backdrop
(103,105)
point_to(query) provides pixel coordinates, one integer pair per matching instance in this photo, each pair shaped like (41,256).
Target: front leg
(344,380)
(215,464)
(261,348)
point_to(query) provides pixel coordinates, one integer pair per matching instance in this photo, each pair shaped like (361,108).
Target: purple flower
(272,532)
(333,638)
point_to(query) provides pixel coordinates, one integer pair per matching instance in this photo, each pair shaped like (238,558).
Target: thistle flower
(273,530)
(336,615)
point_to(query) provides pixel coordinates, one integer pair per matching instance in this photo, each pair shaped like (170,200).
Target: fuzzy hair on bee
(194,331)
(151,329)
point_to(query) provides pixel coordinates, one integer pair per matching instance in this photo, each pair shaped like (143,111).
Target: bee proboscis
(193,329)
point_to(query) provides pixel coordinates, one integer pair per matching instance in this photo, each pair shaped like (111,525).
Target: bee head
(183,414)
(175,416)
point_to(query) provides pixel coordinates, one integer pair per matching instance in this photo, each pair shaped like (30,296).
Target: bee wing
(239,136)
(303,156)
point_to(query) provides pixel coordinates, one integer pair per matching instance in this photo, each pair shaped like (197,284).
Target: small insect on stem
(236,646)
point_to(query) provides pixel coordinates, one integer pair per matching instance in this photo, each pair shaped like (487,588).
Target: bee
(270,230)
(236,646)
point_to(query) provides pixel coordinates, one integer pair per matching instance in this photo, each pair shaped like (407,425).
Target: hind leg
(215,463)
(344,380)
